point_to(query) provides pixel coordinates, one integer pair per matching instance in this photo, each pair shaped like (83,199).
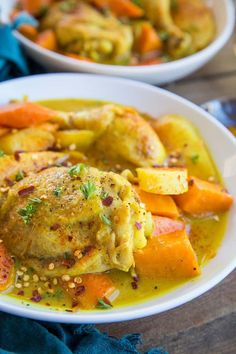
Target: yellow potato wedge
(163,180)
(82,139)
(179,135)
(29,140)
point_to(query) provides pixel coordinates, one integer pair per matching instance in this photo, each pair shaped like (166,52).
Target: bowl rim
(122,313)
(205,53)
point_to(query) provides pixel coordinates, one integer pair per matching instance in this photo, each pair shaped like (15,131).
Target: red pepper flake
(17,154)
(68,263)
(26,191)
(36,296)
(43,168)
(136,278)
(80,289)
(62,161)
(55,227)
(8,181)
(75,303)
(138,225)
(191,182)
(134,285)
(21,293)
(70,238)
(87,250)
(107,201)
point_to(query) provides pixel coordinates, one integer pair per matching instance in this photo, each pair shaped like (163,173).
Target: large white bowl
(156,102)
(157,74)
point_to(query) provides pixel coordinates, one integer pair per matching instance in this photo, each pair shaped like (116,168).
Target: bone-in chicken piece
(85,31)
(159,12)
(81,220)
(15,167)
(120,132)
(195,18)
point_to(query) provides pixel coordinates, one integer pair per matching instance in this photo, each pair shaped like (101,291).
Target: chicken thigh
(119,132)
(79,219)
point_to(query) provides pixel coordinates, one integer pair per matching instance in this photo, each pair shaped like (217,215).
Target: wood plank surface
(206,325)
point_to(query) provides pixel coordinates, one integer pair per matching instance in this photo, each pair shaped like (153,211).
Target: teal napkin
(12,60)
(23,336)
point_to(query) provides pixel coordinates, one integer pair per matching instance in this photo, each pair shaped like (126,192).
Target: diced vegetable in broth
(112,226)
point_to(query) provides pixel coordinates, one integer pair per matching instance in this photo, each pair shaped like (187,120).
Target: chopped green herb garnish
(174,5)
(68,6)
(57,295)
(57,191)
(195,158)
(76,170)
(2,153)
(67,255)
(19,176)
(104,195)
(88,189)
(103,305)
(137,2)
(105,220)
(164,36)
(27,212)
(43,10)
(35,200)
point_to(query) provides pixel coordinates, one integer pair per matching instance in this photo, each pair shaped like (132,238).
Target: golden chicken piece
(159,12)
(15,167)
(120,132)
(195,18)
(83,30)
(73,221)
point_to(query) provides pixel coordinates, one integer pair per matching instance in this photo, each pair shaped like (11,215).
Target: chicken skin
(83,30)
(121,132)
(79,219)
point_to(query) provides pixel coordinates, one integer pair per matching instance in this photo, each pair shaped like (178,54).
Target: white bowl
(156,102)
(157,74)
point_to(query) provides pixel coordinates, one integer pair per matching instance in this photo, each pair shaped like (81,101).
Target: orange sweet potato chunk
(204,197)
(167,255)
(163,205)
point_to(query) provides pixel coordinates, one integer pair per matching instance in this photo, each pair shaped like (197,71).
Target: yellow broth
(206,236)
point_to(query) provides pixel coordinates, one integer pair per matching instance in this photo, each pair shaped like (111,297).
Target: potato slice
(29,140)
(163,180)
(82,139)
(180,136)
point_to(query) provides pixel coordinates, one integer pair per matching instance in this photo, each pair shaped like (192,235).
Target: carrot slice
(92,288)
(121,8)
(34,6)
(162,205)
(167,255)
(149,39)
(28,31)
(47,40)
(204,197)
(77,56)
(6,269)
(23,115)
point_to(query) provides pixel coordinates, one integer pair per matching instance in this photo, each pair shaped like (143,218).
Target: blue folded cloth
(24,336)
(12,60)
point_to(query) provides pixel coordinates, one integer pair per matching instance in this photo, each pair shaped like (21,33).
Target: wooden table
(206,325)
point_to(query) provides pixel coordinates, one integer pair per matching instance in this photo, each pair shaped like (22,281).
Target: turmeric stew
(102,206)
(120,32)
